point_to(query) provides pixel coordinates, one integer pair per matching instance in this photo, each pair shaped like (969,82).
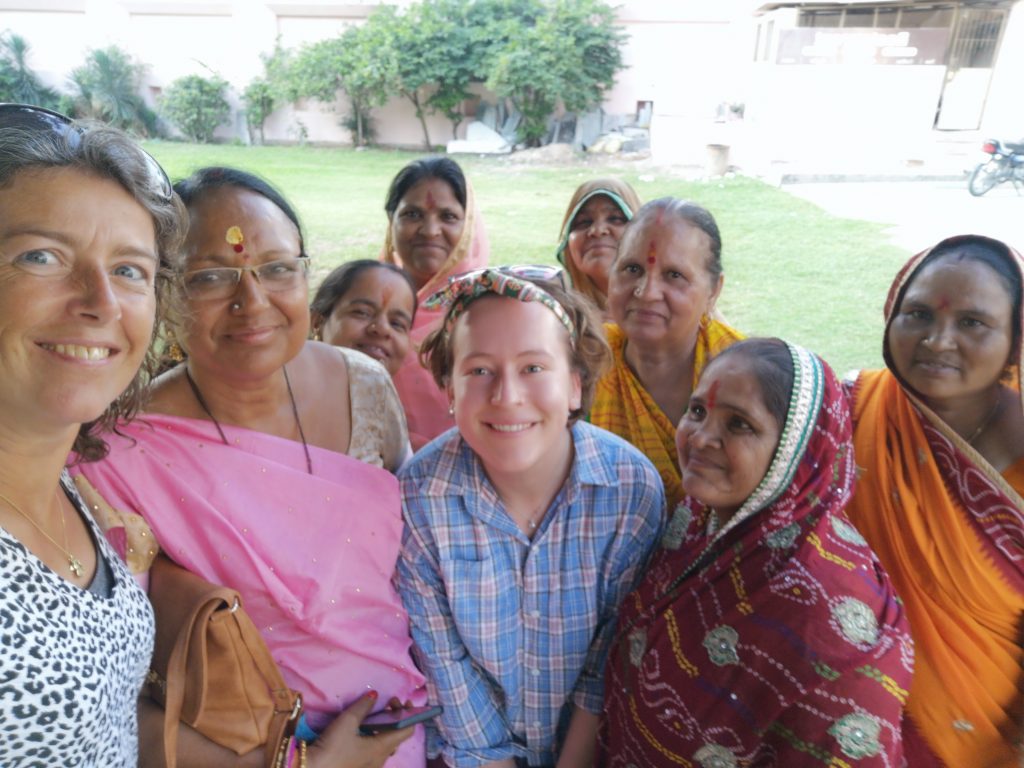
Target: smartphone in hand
(397,719)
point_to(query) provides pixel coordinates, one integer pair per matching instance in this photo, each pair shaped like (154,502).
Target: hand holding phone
(397,719)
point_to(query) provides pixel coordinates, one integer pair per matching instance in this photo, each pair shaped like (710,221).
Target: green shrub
(196,105)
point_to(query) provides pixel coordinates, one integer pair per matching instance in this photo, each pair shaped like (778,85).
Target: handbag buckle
(234,606)
(297,709)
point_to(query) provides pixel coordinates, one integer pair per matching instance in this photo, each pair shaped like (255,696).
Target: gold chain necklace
(986,421)
(73,562)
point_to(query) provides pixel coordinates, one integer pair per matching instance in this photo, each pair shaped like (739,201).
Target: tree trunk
(360,141)
(414,97)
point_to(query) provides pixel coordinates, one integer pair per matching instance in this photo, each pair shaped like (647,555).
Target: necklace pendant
(75,565)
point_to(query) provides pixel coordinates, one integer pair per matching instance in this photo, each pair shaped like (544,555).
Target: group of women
(574,507)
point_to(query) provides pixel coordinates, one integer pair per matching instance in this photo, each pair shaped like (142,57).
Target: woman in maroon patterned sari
(765,632)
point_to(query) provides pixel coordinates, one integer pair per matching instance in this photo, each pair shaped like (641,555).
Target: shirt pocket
(485,610)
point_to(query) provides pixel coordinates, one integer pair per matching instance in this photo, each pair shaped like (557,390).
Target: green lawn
(791,269)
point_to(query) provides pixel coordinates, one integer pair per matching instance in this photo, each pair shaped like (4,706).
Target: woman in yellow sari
(662,291)
(939,440)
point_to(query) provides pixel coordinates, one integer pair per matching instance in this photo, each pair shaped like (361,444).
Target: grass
(791,269)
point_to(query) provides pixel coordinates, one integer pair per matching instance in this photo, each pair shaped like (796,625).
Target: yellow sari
(623,406)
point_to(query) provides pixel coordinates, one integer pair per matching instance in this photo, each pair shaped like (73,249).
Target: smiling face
(426,227)
(594,238)
(727,437)
(266,329)
(512,387)
(952,336)
(78,258)
(660,286)
(374,316)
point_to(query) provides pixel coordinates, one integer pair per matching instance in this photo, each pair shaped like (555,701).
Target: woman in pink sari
(253,469)
(434,232)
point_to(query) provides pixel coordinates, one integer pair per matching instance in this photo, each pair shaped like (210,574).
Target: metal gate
(974,44)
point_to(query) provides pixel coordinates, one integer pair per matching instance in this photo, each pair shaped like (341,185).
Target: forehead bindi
(652,252)
(713,393)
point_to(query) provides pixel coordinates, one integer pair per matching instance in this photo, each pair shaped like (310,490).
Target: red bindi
(238,248)
(712,393)
(652,251)
(944,303)
(429,203)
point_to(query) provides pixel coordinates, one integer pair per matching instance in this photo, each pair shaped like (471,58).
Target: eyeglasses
(32,118)
(222,282)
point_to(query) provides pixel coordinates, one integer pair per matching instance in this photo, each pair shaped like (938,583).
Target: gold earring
(316,335)
(174,351)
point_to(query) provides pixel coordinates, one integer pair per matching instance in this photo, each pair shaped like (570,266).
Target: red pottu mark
(238,247)
(944,303)
(652,251)
(430,202)
(712,393)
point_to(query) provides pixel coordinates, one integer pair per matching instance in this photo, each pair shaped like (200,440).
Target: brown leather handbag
(211,668)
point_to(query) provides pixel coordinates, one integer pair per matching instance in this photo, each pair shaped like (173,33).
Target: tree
(197,106)
(18,83)
(428,52)
(259,105)
(264,94)
(351,62)
(106,88)
(569,55)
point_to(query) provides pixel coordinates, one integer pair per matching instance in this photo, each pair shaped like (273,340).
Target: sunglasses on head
(32,118)
(524,272)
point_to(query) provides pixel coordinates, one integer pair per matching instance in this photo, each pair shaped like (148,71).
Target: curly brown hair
(590,356)
(108,154)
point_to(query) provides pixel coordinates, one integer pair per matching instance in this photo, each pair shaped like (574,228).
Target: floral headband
(511,282)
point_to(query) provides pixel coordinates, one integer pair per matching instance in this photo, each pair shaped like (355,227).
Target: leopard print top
(72,662)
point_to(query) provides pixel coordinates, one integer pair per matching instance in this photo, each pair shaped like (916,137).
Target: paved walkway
(923,212)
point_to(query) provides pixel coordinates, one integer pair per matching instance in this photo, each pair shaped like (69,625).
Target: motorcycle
(1006,163)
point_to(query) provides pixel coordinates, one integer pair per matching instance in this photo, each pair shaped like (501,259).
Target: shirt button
(535,672)
(536,723)
(535,614)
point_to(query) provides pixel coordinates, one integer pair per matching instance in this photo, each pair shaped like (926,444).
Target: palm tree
(18,83)
(106,88)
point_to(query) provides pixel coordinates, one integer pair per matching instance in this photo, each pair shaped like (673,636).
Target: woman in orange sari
(434,233)
(662,291)
(939,438)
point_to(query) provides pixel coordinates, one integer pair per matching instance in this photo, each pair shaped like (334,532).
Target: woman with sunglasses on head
(252,480)
(434,233)
(525,526)
(85,218)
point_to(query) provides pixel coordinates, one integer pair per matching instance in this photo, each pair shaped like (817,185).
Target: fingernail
(372,694)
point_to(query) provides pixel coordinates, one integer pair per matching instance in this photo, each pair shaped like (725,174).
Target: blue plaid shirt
(511,632)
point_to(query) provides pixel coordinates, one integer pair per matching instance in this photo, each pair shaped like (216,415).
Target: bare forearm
(578,749)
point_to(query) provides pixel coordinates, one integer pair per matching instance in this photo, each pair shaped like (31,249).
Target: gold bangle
(302,754)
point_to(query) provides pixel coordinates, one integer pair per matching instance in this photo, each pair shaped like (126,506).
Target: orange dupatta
(623,406)
(426,405)
(949,529)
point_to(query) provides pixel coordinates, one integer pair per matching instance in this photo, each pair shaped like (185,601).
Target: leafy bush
(197,106)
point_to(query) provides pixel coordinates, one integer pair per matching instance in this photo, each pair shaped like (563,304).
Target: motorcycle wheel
(983,178)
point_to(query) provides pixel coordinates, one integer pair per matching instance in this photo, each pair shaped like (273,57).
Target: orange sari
(949,529)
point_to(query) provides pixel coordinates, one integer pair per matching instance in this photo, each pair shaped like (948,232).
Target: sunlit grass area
(792,270)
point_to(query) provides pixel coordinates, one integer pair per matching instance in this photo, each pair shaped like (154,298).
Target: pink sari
(312,555)
(426,405)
